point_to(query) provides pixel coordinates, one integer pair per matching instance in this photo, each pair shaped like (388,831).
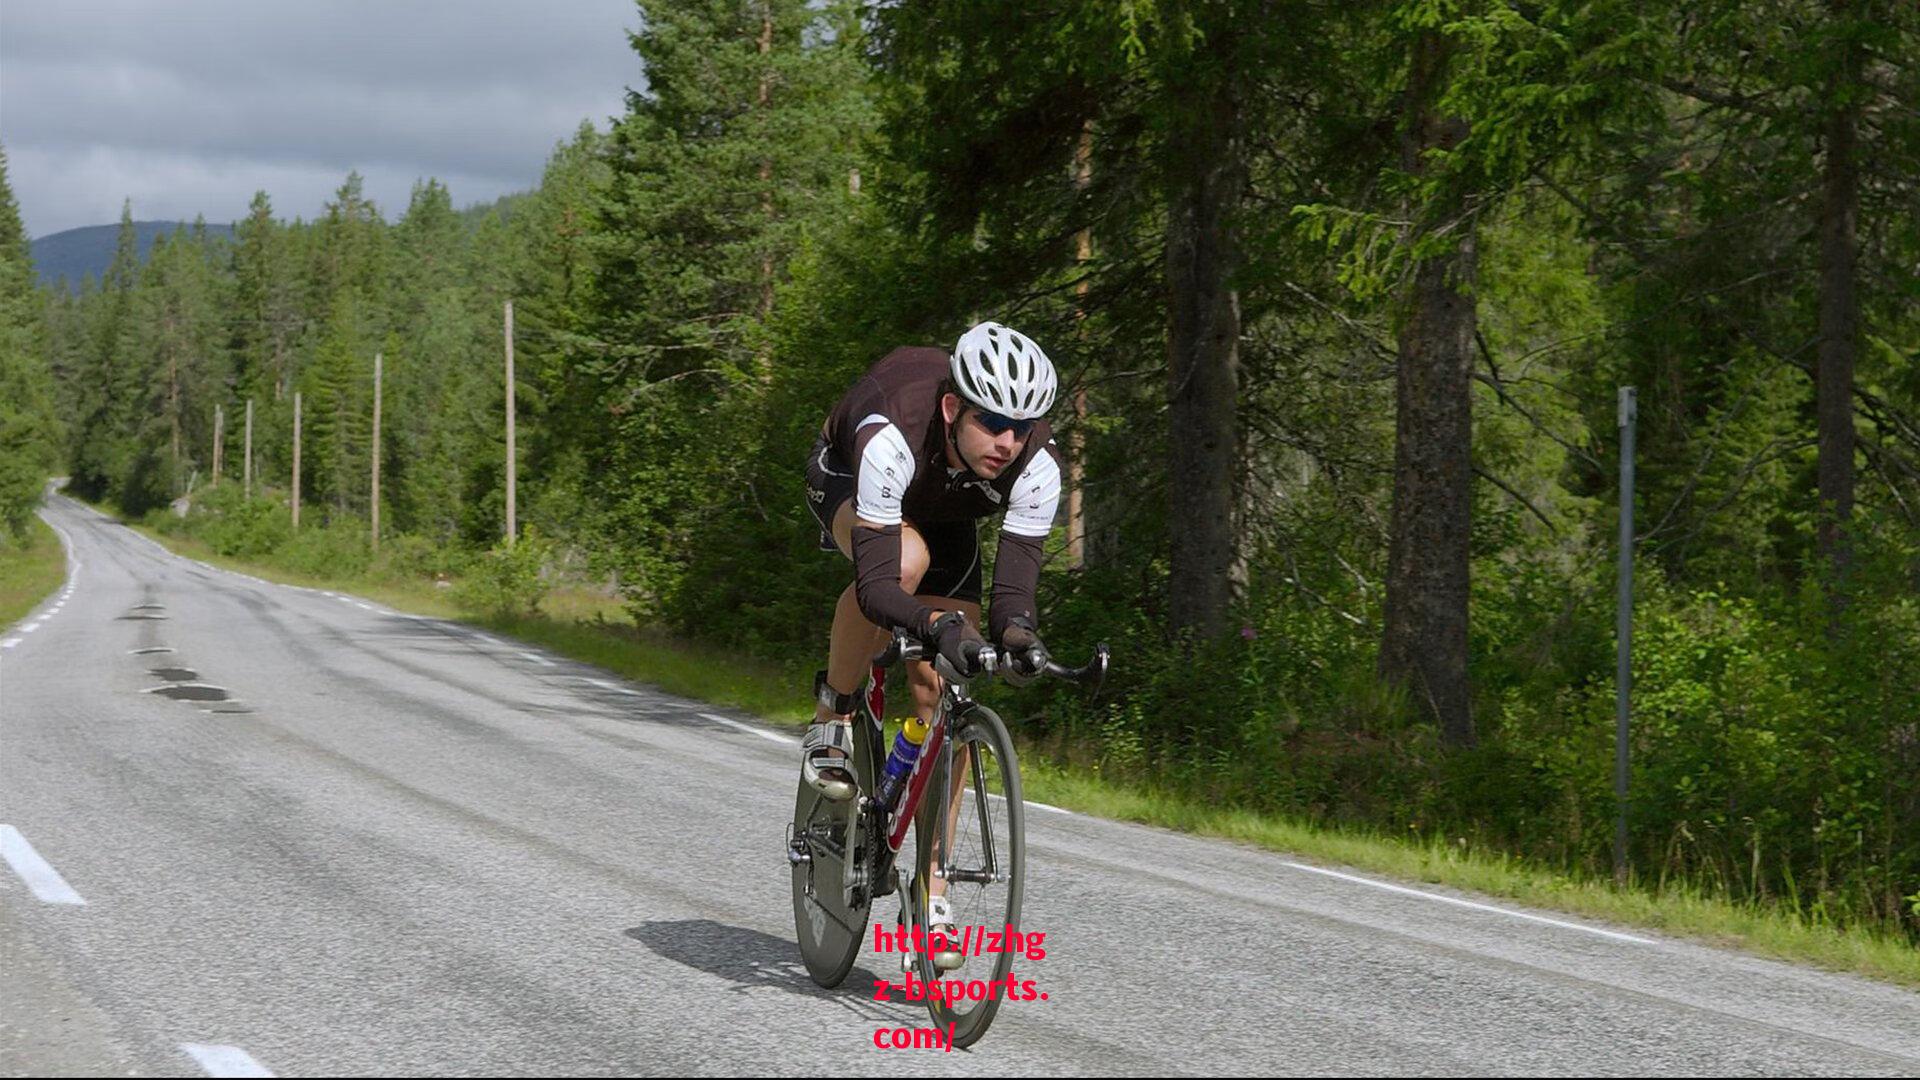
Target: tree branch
(1519,498)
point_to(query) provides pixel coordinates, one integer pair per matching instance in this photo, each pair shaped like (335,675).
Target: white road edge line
(224,1060)
(539,659)
(44,880)
(1471,904)
(749,728)
(1029,802)
(11,642)
(616,688)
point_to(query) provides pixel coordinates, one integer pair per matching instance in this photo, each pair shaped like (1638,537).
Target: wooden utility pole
(219,419)
(296,459)
(511,519)
(247,468)
(376,453)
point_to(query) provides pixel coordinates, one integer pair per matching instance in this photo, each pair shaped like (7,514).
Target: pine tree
(28,428)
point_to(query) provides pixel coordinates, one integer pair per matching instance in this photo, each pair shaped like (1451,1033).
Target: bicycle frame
(923,767)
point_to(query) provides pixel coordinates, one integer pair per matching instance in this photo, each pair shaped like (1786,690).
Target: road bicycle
(843,853)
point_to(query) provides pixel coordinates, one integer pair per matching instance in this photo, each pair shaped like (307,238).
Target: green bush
(236,526)
(508,580)
(416,558)
(338,548)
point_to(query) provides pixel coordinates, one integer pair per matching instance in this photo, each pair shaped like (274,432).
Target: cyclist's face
(988,454)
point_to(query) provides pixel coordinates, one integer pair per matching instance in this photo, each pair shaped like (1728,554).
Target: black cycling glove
(956,639)
(1026,653)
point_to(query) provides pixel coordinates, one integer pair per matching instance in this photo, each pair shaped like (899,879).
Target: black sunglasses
(997,424)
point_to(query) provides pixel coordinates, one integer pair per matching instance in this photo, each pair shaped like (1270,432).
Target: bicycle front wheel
(977,858)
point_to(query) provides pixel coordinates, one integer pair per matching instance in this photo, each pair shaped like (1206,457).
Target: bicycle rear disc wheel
(828,929)
(983,865)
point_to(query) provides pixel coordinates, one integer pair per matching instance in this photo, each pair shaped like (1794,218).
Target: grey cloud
(198,105)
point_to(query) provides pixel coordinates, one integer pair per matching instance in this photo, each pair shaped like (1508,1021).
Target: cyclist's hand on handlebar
(1026,653)
(958,641)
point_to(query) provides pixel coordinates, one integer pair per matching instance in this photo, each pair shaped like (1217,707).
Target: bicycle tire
(979,729)
(828,931)
(828,944)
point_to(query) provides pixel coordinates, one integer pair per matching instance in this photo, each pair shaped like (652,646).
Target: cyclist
(924,445)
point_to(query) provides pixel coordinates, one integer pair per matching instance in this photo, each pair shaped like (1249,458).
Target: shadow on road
(750,959)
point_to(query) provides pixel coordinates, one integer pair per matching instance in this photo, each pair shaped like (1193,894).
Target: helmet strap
(953,438)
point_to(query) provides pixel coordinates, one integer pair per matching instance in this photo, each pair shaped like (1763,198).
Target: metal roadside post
(1623,635)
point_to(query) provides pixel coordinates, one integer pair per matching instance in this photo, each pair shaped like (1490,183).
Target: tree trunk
(1839,324)
(765,358)
(1077,439)
(1424,647)
(1207,169)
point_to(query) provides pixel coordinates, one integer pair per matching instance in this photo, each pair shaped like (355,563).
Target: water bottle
(906,750)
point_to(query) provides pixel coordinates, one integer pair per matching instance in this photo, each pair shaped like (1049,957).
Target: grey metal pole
(1623,635)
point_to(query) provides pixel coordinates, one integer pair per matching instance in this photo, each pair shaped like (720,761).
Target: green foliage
(510,579)
(239,527)
(29,429)
(338,548)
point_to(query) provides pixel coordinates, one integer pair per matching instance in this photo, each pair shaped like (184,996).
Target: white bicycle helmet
(1003,371)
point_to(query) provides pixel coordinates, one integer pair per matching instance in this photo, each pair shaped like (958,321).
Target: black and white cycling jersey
(888,434)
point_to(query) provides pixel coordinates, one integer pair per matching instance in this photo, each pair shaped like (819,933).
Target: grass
(589,626)
(30,572)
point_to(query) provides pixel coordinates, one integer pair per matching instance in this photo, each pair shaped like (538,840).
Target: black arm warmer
(1016,573)
(876,581)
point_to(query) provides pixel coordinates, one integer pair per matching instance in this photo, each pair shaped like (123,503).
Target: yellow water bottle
(906,750)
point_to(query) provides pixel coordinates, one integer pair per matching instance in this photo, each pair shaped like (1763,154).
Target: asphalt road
(396,846)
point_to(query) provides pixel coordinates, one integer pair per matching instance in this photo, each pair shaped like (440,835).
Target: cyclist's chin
(991,467)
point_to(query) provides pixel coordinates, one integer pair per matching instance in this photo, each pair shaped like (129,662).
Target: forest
(1342,297)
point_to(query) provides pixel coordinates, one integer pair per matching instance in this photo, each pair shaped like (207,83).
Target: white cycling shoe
(829,775)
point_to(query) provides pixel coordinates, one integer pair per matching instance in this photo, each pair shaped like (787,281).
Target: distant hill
(78,253)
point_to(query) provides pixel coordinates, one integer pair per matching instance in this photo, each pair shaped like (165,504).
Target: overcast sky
(189,106)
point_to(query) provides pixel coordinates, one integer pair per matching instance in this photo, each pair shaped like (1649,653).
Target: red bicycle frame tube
(877,693)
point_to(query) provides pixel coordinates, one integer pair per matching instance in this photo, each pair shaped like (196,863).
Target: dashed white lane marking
(43,879)
(11,642)
(30,627)
(615,687)
(224,1060)
(749,728)
(539,659)
(485,638)
(364,607)
(1470,904)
